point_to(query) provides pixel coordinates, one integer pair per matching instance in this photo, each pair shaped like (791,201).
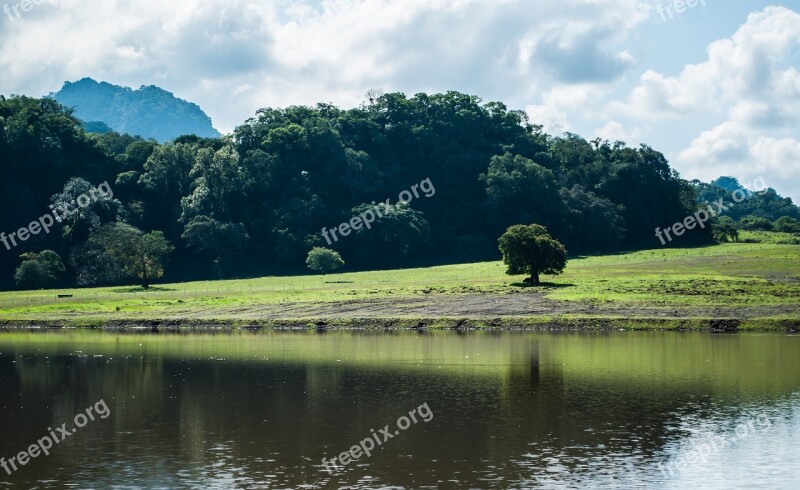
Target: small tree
(40,270)
(531,250)
(324,260)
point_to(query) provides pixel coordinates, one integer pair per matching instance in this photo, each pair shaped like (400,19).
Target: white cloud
(234,56)
(718,149)
(748,81)
(659,97)
(557,103)
(616,131)
(729,149)
(751,65)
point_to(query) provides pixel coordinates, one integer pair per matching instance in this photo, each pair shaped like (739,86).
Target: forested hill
(150,111)
(254,203)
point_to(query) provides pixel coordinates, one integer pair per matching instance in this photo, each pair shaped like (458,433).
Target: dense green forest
(254,203)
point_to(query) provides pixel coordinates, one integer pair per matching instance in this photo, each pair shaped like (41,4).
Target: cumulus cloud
(234,56)
(573,55)
(729,149)
(616,131)
(750,81)
(557,103)
(749,66)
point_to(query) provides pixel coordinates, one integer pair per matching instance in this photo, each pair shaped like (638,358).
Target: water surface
(509,410)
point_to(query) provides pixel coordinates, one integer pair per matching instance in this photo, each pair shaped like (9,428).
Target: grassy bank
(747,285)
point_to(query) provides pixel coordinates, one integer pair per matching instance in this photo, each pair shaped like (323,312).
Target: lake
(442,410)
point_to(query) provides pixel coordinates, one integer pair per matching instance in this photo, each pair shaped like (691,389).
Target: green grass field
(742,280)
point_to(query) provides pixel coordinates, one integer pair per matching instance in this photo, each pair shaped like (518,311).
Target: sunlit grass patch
(730,275)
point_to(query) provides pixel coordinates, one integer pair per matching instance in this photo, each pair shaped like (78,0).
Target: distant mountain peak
(149,112)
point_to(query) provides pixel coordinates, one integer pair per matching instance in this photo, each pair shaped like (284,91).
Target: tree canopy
(255,202)
(40,270)
(529,249)
(323,260)
(118,251)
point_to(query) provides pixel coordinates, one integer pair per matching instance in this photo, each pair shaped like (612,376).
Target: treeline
(762,206)
(255,202)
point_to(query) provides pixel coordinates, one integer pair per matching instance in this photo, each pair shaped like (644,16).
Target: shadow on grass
(543,285)
(139,289)
(339,282)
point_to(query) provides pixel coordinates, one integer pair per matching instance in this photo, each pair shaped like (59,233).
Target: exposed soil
(526,310)
(476,306)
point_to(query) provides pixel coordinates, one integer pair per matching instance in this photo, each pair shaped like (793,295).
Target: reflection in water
(260,410)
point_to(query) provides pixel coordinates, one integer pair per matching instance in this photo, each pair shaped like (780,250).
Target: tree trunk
(145,281)
(535,279)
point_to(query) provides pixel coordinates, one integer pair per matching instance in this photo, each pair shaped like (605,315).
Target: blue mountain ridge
(149,112)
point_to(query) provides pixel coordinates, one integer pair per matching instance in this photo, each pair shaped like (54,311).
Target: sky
(713,84)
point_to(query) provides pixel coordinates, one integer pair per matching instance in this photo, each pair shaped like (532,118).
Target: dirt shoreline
(528,311)
(714,325)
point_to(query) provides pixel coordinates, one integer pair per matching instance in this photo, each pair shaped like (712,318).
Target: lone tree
(531,250)
(324,260)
